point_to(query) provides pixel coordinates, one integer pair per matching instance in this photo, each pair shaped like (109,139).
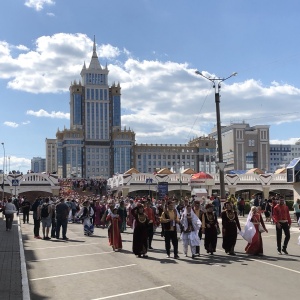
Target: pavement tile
(10,263)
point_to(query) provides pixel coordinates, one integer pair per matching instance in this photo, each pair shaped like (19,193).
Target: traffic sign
(149,180)
(15,182)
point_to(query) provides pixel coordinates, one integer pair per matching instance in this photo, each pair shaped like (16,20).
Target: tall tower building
(95,145)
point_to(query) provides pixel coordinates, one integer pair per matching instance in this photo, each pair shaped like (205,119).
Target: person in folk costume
(114,235)
(198,212)
(152,222)
(86,214)
(232,199)
(230,223)
(160,209)
(256,245)
(170,218)
(102,209)
(210,227)
(98,214)
(122,212)
(108,209)
(129,208)
(190,228)
(140,232)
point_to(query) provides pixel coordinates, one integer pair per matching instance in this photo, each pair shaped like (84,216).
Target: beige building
(51,157)
(245,147)
(198,154)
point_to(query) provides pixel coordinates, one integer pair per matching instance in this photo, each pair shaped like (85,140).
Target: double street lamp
(216,81)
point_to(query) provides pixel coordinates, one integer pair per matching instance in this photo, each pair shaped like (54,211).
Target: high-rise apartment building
(245,147)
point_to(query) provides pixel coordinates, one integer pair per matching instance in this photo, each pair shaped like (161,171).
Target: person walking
(190,228)
(114,235)
(25,209)
(230,223)
(296,207)
(122,212)
(241,206)
(198,213)
(36,218)
(282,220)
(140,232)
(46,218)
(151,216)
(53,219)
(169,219)
(211,229)
(255,247)
(86,215)
(9,211)
(62,215)
(16,203)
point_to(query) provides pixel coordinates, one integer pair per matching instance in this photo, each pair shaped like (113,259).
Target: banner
(162,189)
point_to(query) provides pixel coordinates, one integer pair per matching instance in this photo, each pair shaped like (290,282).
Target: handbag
(218,230)
(260,228)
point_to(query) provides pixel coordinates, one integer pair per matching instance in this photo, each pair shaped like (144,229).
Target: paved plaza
(87,268)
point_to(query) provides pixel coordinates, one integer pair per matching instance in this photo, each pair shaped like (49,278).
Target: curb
(25,283)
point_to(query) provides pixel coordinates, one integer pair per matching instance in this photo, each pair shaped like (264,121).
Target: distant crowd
(189,219)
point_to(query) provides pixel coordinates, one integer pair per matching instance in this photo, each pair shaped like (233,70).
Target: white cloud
(26,123)
(16,163)
(38,4)
(50,14)
(161,100)
(53,114)
(290,141)
(22,48)
(108,51)
(11,124)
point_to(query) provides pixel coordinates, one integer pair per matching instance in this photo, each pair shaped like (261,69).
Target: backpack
(44,211)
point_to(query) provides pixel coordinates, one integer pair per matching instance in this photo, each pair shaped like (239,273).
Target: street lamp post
(3,170)
(8,165)
(217,86)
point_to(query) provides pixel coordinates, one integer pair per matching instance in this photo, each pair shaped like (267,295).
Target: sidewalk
(13,274)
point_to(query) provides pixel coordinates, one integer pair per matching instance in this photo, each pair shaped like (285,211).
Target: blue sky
(152,47)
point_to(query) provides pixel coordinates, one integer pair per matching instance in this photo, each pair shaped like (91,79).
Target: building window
(251,143)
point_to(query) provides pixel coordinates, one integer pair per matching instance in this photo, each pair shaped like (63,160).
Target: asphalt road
(87,268)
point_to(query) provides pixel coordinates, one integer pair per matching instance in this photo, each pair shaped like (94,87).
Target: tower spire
(94,48)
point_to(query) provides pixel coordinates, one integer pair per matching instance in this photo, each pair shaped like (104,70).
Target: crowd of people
(187,220)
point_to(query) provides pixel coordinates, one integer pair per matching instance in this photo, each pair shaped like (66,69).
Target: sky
(153,48)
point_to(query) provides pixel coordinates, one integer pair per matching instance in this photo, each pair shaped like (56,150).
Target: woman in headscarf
(114,235)
(97,214)
(230,223)
(86,213)
(256,245)
(122,212)
(210,226)
(190,227)
(140,232)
